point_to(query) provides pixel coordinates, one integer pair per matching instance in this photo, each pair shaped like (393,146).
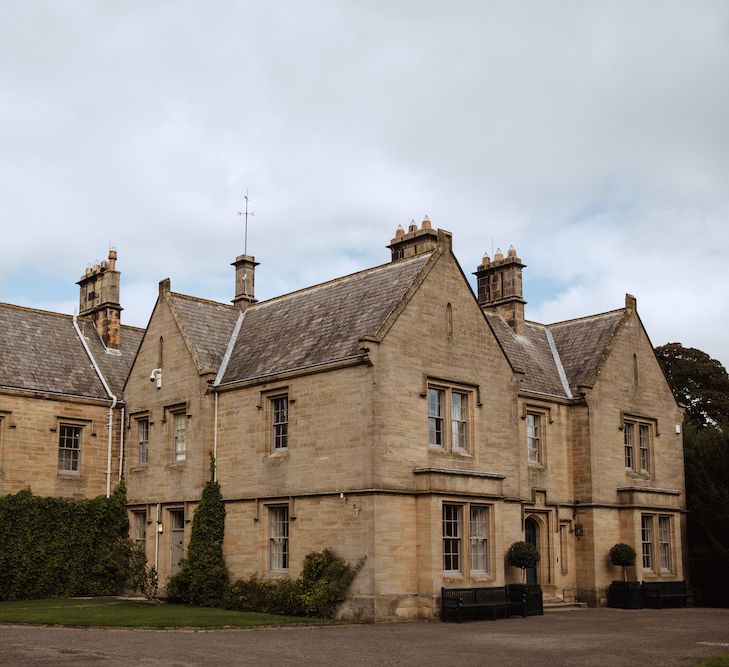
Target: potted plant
(624,594)
(525,555)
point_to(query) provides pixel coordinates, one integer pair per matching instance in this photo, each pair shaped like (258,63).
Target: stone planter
(625,595)
(531,594)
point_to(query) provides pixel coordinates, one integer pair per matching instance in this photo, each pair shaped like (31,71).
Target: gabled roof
(571,359)
(583,344)
(319,324)
(206,327)
(530,354)
(40,351)
(114,366)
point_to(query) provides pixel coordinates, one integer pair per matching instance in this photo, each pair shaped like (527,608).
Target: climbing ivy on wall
(53,547)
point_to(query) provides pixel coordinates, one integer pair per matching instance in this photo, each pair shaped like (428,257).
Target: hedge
(51,547)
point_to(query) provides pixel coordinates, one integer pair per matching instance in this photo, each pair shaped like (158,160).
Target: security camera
(156,376)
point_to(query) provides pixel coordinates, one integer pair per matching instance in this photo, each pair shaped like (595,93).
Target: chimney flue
(99,300)
(245,273)
(500,288)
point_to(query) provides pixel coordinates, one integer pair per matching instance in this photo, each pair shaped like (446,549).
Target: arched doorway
(531,535)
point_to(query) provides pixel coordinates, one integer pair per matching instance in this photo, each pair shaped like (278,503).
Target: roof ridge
(339,279)
(40,311)
(584,317)
(132,326)
(202,300)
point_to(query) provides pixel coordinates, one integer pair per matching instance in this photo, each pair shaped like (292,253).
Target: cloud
(593,136)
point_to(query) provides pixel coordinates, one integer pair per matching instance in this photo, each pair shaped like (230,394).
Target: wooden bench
(657,593)
(491,599)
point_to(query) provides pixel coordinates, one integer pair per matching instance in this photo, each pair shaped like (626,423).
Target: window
(140,530)
(657,526)
(143,440)
(646,538)
(446,405)
(534,437)
(280,422)
(278,529)
(452,538)
(628,437)
(664,542)
(643,445)
(479,539)
(465,545)
(436,397)
(69,448)
(637,437)
(179,425)
(459,420)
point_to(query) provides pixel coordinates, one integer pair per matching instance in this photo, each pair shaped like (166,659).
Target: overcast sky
(594,136)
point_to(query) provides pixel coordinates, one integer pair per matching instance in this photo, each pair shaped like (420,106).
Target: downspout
(215,440)
(111,407)
(156,538)
(121,444)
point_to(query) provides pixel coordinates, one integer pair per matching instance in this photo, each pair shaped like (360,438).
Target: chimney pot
(112,260)
(399,232)
(412,227)
(499,256)
(426,223)
(486,260)
(512,252)
(165,287)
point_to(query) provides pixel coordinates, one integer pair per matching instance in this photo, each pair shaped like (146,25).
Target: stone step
(561,605)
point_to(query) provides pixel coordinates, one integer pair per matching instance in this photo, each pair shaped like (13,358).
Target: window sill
(278,454)
(69,473)
(536,466)
(138,469)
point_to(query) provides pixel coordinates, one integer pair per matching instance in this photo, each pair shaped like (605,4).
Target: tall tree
(702,385)
(698,382)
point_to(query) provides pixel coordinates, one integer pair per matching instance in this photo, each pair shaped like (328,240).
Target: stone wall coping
(458,471)
(648,489)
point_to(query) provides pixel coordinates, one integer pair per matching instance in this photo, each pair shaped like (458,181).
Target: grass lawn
(112,612)
(717,661)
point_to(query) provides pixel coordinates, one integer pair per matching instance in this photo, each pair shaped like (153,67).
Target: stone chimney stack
(415,241)
(99,299)
(500,288)
(245,273)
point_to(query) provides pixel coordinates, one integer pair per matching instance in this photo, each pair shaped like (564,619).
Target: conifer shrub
(51,547)
(203,575)
(323,585)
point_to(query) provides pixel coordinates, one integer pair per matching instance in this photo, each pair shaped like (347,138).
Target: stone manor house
(389,413)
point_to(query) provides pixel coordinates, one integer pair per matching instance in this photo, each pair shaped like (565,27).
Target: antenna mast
(246,213)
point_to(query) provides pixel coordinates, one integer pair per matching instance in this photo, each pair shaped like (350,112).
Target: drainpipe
(111,407)
(121,444)
(156,538)
(215,440)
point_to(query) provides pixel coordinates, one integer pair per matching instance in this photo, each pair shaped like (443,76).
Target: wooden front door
(531,535)
(177,539)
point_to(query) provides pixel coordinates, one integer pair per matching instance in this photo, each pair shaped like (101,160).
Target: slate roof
(321,323)
(206,326)
(580,346)
(114,367)
(40,351)
(583,343)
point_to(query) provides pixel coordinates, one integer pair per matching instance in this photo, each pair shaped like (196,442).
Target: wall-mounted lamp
(579,529)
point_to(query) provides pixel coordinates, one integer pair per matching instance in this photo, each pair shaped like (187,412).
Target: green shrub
(523,555)
(623,555)
(323,585)
(51,547)
(203,576)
